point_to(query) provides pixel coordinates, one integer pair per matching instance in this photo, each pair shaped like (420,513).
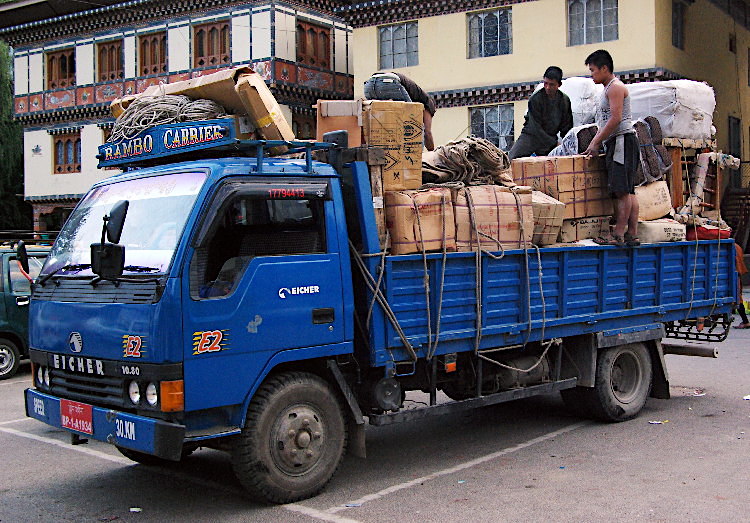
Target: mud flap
(660,380)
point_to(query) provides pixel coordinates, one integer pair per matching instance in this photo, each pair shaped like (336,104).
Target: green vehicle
(14,307)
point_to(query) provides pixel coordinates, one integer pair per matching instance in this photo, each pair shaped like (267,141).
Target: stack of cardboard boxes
(432,218)
(580,184)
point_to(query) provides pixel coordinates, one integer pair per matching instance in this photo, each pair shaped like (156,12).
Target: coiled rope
(147,111)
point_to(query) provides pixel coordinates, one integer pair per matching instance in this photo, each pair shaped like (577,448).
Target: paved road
(526,461)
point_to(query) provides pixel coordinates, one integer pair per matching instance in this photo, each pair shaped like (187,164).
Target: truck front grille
(96,390)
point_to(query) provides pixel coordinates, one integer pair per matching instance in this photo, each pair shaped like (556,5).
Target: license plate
(76,416)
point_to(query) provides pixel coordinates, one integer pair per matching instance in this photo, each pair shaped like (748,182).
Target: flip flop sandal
(614,240)
(632,241)
(743,326)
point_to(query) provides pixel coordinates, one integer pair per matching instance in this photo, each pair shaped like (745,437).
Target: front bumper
(147,435)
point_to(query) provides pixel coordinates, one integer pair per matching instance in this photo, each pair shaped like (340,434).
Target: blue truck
(213,296)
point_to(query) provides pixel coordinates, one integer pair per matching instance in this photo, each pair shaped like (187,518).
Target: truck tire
(293,441)
(10,357)
(150,459)
(622,385)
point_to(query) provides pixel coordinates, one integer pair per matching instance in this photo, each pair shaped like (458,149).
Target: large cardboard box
(662,230)
(262,107)
(340,115)
(397,128)
(584,228)
(217,86)
(654,200)
(420,220)
(577,181)
(497,215)
(239,90)
(548,218)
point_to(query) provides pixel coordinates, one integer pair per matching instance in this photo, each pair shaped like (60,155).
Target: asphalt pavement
(683,459)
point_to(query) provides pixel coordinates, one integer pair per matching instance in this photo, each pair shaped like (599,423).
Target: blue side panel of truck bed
(583,289)
(577,290)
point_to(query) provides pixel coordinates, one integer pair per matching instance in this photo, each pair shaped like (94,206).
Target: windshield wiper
(69,267)
(140,268)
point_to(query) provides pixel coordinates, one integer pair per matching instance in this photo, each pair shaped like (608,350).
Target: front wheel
(10,357)
(623,383)
(293,441)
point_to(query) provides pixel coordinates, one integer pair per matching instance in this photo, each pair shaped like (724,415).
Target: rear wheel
(293,441)
(623,383)
(10,357)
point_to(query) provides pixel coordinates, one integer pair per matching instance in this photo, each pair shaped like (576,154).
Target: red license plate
(76,416)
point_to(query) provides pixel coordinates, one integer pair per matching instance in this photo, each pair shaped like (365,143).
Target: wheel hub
(6,359)
(625,377)
(299,439)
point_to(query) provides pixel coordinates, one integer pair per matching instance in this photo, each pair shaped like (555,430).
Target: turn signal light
(172,396)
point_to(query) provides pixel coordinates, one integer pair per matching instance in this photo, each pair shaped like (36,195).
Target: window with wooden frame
(679,10)
(61,69)
(109,60)
(313,45)
(211,44)
(494,123)
(67,153)
(152,53)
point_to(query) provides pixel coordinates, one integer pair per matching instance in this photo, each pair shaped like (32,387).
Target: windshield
(159,206)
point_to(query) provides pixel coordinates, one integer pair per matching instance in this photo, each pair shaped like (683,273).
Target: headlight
(40,376)
(46,377)
(134,392)
(151,394)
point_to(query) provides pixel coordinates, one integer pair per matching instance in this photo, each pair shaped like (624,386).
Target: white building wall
(36,72)
(129,56)
(339,41)
(178,48)
(286,36)
(262,35)
(85,64)
(37,166)
(21,74)
(241,38)
(91,138)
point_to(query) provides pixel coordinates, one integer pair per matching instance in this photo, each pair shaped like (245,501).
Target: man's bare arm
(616,97)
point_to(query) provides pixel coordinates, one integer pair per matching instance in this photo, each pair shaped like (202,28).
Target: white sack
(684,108)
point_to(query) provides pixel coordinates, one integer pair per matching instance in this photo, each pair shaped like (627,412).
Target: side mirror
(22,256)
(116,221)
(107,260)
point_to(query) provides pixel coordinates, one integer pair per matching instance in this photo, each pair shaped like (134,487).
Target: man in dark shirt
(398,87)
(549,113)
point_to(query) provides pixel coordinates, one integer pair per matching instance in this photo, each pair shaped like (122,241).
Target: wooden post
(675,181)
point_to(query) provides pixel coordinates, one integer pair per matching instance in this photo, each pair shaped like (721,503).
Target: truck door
(264,276)
(17,295)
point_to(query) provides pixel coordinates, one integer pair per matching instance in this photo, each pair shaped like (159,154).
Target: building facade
(481,59)
(67,70)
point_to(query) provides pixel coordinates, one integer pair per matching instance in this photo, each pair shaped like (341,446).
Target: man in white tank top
(617,136)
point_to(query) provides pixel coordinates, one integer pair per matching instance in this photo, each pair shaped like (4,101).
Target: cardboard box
(577,181)
(495,211)
(263,108)
(654,200)
(340,115)
(584,228)
(239,90)
(397,128)
(217,86)
(420,220)
(662,230)
(548,218)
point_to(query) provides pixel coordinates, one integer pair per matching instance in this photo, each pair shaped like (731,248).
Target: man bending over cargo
(549,113)
(616,133)
(400,88)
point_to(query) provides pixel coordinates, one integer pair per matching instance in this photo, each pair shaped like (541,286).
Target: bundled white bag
(684,108)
